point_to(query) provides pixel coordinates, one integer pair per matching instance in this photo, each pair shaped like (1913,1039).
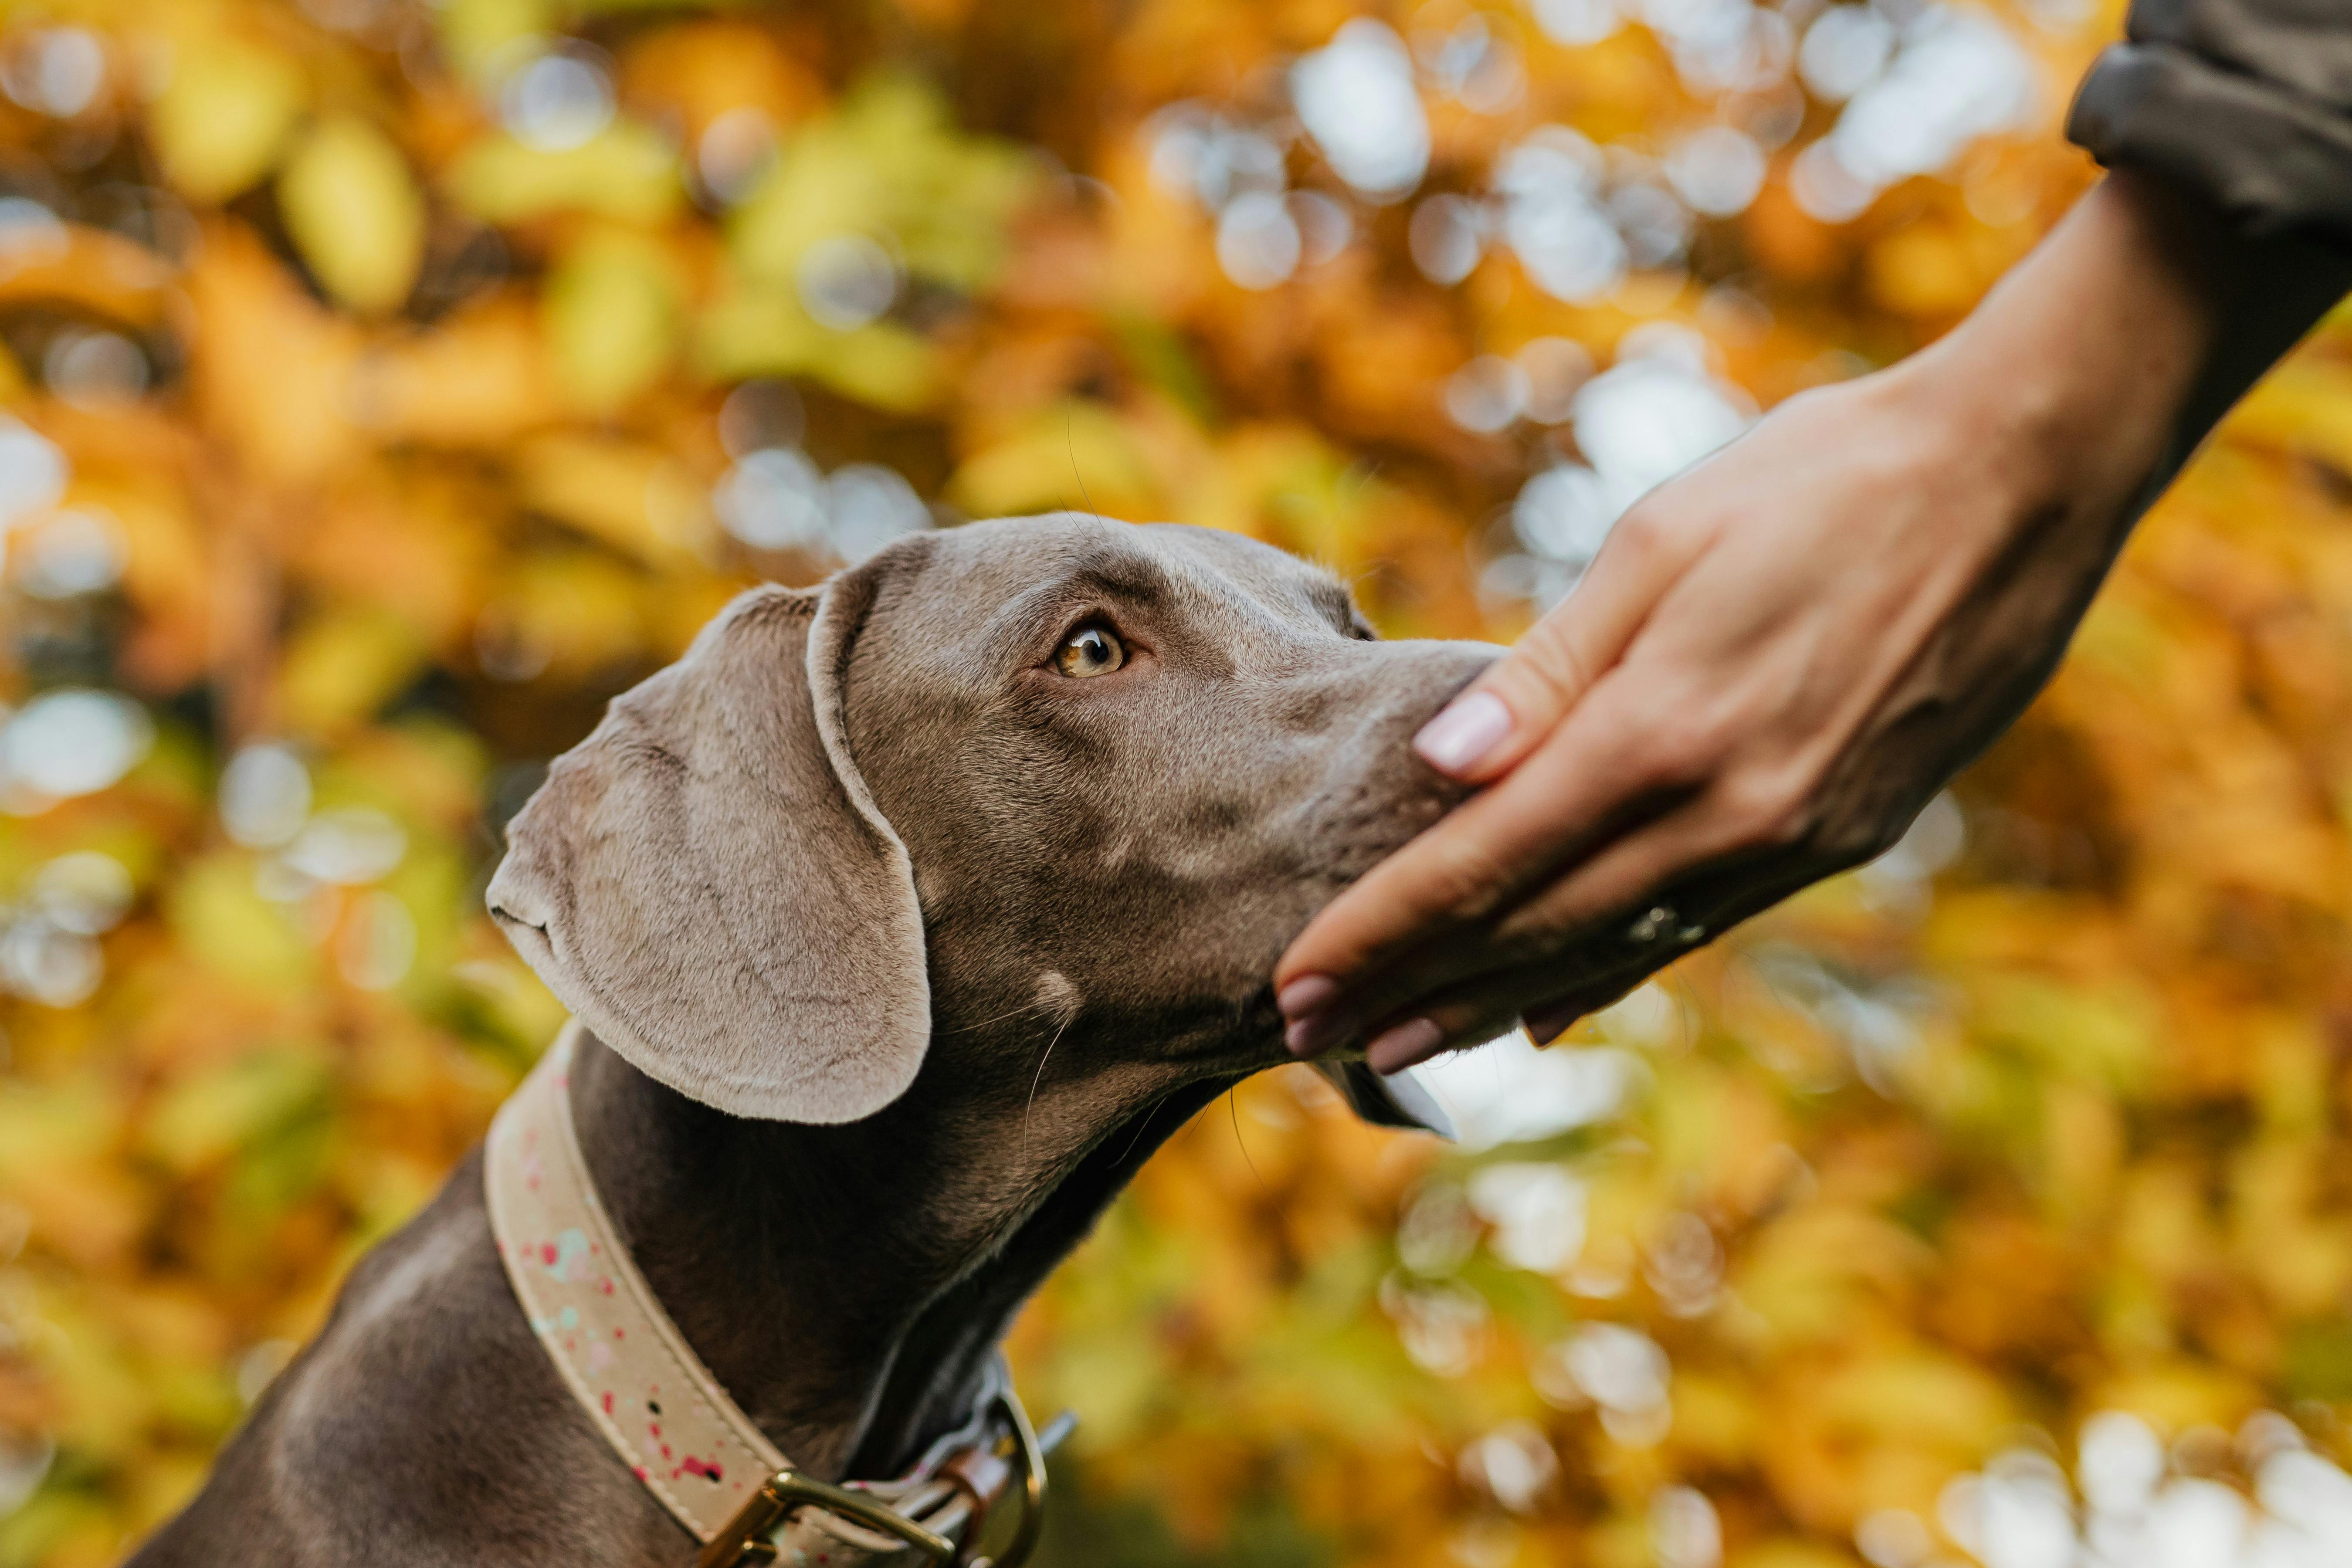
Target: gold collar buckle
(746,1538)
(749,1537)
(1031,1455)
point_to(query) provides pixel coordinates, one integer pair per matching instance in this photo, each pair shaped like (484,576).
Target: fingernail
(1542,1031)
(1404,1045)
(1468,729)
(1305,994)
(1308,1037)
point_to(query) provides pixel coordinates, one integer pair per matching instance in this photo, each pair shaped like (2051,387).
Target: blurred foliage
(390,384)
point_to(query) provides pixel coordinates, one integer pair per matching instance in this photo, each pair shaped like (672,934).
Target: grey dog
(909,914)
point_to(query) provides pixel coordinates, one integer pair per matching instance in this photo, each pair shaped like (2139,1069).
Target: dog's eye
(1092,650)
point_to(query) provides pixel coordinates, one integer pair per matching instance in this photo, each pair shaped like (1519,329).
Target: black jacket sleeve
(2247,103)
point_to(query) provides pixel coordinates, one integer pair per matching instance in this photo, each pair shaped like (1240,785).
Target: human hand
(1775,660)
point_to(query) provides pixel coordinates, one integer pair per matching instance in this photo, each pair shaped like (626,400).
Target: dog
(903,919)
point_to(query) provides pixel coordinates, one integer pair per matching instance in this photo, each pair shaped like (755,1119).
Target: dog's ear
(1390,1099)
(707,884)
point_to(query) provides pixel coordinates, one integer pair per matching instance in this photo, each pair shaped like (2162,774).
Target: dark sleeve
(2247,103)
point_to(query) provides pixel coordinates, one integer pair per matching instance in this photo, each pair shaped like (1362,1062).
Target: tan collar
(668,1419)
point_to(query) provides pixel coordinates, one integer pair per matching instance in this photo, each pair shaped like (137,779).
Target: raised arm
(1782,654)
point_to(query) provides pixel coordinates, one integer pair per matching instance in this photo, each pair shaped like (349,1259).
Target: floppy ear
(1393,1100)
(708,887)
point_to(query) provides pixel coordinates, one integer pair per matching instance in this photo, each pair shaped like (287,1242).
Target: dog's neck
(847,1284)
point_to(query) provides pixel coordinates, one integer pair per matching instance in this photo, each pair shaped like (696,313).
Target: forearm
(2096,366)
(1781,654)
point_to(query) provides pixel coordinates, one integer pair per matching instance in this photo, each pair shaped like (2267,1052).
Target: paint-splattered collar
(668,1419)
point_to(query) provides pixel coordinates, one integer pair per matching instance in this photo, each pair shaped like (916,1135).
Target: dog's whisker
(1070,438)
(1139,1126)
(1233,1105)
(1042,1004)
(1033,1082)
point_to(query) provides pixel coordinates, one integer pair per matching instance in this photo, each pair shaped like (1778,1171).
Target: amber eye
(1092,650)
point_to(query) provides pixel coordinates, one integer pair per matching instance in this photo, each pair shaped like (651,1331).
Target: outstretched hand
(1775,660)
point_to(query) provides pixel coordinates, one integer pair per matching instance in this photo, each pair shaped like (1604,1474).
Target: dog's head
(1039,765)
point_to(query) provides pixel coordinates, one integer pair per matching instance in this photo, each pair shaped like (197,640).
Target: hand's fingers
(1479,1010)
(1700,913)
(1390,932)
(1645,891)
(1678,883)
(1606,919)
(1505,713)
(1548,1021)
(1466,1019)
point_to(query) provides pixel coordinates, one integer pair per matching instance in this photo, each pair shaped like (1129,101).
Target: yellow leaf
(1925,269)
(477,379)
(574,612)
(629,173)
(225,115)
(272,368)
(1286,486)
(209,1117)
(98,271)
(2176,1395)
(481,36)
(635,497)
(1076,455)
(42,1126)
(761,329)
(227,925)
(2102,1036)
(882,364)
(355,214)
(530,1014)
(750,331)
(887,162)
(2305,405)
(613,318)
(343,666)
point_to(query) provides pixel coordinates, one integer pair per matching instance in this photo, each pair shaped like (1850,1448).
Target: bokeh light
(71,742)
(56,72)
(557,101)
(1355,97)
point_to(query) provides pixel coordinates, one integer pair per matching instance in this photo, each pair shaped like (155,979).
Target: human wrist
(2069,379)
(1986,428)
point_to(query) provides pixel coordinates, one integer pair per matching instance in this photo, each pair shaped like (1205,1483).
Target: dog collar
(666,1417)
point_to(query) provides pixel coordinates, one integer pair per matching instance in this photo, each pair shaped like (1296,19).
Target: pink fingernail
(1468,729)
(1313,1035)
(1404,1045)
(1305,994)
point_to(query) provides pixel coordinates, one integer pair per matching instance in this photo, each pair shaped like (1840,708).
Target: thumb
(1500,717)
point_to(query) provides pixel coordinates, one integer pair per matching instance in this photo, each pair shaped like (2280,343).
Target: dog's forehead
(980,575)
